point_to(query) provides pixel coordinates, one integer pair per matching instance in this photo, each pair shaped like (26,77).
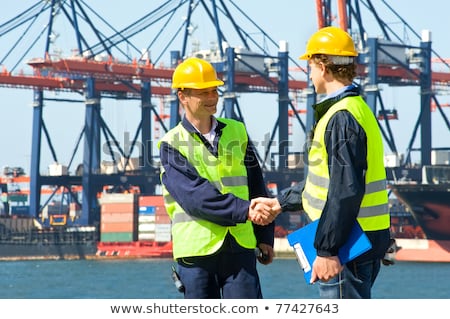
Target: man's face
(316,75)
(200,102)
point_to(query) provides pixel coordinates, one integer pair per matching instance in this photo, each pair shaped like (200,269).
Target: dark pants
(354,282)
(230,273)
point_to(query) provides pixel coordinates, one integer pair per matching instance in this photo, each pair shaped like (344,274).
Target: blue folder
(302,240)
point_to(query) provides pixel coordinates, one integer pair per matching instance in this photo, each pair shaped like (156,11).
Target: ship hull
(422,250)
(89,248)
(39,251)
(415,250)
(430,206)
(134,250)
(48,245)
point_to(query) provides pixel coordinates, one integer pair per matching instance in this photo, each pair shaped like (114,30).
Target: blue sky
(290,20)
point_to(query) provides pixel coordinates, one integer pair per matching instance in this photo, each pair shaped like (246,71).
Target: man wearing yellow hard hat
(209,174)
(346,180)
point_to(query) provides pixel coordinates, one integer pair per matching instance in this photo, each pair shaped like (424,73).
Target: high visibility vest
(374,212)
(193,236)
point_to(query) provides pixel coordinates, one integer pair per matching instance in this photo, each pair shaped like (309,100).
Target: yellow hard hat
(330,41)
(195,73)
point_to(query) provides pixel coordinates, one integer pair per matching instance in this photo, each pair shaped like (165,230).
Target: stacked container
(118,219)
(153,221)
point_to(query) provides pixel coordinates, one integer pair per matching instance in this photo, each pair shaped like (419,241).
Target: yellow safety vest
(192,236)
(374,212)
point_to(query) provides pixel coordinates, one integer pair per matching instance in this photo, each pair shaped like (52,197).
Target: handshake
(263,210)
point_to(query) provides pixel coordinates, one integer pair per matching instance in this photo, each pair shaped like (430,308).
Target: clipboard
(302,241)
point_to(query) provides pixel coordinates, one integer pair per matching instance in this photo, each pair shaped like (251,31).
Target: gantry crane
(95,72)
(138,78)
(393,62)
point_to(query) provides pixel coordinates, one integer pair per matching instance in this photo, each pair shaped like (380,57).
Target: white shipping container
(146,227)
(146,236)
(162,228)
(146,219)
(117,198)
(163,237)
(163,233)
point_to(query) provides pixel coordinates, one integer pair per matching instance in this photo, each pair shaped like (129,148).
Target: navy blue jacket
(201,199)
(346,145)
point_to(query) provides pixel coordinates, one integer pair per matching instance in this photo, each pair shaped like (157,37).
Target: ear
(323,69)
(181,97)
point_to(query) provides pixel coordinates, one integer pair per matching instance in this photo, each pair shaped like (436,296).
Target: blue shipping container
(147,210)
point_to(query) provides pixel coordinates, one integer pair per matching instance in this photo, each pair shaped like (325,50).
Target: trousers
(354,282)
(230,273)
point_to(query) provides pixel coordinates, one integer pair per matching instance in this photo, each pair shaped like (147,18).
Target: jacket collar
(322,107)
(191,129)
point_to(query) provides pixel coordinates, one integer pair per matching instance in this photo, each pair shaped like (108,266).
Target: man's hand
(325,268)
(272,202)
(266,254)
(260,213)
(263,210)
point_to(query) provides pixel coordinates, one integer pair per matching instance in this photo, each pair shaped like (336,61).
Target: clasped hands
(263,210)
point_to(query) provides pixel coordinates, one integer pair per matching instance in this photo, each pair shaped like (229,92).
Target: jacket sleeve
(197,195)
(290,198)
(345,142)
(257,188)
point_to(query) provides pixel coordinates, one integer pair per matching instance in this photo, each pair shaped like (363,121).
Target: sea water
(151,279)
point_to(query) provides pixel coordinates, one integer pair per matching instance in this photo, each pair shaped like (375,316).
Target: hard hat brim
(305,56)
(195,85)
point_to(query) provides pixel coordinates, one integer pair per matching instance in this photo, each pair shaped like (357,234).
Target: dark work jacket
(199,198)
(346,145)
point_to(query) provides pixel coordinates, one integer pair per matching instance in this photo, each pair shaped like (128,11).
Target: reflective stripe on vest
(374,211)
(193,236)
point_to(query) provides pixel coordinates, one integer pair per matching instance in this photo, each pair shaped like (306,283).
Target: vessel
(420,218)
(24,238)
(131,225)
(52,236)
(428,202)
(135,225)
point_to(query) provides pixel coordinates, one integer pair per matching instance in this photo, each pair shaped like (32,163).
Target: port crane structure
(107,64)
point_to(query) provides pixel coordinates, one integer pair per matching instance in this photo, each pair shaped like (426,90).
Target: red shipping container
(148,200)
(162,219)
(160,210)
(118,208)
(116,227)
(117,217)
